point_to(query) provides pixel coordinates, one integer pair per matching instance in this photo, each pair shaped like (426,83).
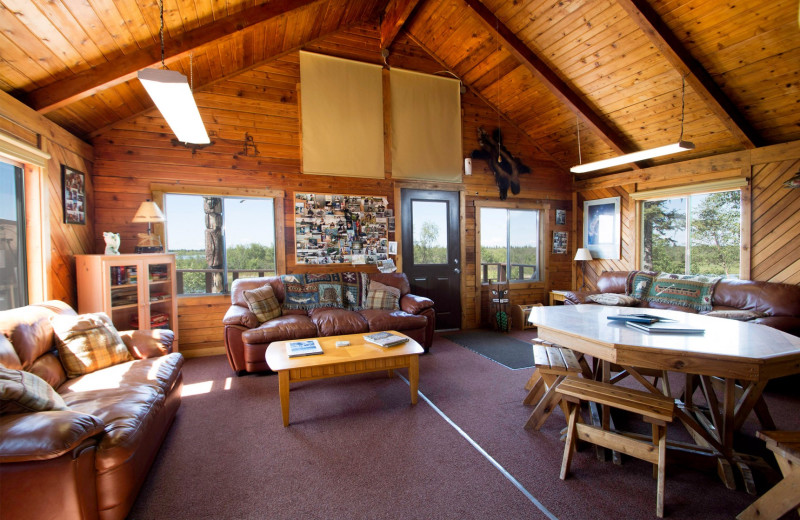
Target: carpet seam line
(503,471)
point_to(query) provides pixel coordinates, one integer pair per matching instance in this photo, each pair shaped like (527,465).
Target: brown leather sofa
(246,340)
(87,462)
(779,302)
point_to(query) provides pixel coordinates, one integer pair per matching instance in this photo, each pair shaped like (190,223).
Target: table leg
(283,391)
(413,377)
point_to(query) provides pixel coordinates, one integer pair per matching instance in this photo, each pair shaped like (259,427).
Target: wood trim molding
(23,152)
(703,187)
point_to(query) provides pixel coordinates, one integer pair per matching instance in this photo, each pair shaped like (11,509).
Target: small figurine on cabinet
(112,242)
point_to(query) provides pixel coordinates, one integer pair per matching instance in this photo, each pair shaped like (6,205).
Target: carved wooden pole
(212,206)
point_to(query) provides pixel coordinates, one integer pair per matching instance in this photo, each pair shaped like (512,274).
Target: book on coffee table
(665,328)
(385,339)
(306,347)
(639,318)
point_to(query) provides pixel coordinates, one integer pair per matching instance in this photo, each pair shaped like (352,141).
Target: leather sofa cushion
(392,320)
(392,280)
(336,322)
(292,326)
(775,299)
(613,282)
(158,373)
(246,284)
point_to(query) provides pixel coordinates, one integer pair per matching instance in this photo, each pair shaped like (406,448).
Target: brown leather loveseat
(773,304)
(246,340)
(88,461)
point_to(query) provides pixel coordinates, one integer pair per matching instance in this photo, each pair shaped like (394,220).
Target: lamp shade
(149,212)
(583,254)
(170,91)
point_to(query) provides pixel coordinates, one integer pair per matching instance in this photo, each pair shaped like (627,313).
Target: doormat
(500,348)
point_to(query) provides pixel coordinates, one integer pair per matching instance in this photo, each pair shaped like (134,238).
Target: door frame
(436,186)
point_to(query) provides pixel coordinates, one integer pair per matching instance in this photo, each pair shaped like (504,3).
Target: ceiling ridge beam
(61,93)
(648,20)
(558,87)
(397,14)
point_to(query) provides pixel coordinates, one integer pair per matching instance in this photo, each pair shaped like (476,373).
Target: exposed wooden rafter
(397,13)
(124,68)
(696,76)
(550,79)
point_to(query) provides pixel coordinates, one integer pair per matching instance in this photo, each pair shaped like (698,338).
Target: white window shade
(426,127)
(342,116)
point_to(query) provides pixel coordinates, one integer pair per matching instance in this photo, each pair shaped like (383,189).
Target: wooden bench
(786,494)
(553,363)
(655,409)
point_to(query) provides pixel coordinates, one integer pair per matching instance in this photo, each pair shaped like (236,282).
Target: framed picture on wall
(73,195)
(561,217)
(559,242)
(601,227)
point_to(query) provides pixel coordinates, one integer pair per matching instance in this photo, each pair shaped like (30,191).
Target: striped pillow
(263,303)
(382,296)
(22,392)
(88,342)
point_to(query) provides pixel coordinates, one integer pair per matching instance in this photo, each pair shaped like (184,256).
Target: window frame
(544,217)
(277,196)
(731,184)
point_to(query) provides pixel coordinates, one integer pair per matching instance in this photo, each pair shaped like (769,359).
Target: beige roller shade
(342,116)
(426,127)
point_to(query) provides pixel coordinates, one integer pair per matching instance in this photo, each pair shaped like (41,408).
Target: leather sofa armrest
(143,344)
(242,316)
(45,435)
(414,304)
(788,324)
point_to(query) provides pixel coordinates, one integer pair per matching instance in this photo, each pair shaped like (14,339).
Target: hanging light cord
(683,103)
(161,32)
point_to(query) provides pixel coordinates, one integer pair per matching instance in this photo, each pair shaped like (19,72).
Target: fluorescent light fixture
(680,146)
(170,91)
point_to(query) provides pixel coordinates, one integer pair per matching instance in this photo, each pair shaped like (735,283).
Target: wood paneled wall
(775,209)
(263,102)
(64,240)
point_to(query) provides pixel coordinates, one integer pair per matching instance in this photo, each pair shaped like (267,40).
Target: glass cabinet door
(160,297)
(124,283)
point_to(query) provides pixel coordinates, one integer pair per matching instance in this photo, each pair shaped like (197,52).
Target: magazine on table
(385,339)
(306,347)
(665,328)
(639,318)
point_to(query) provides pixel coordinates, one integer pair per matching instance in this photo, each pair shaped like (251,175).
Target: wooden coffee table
(357,358)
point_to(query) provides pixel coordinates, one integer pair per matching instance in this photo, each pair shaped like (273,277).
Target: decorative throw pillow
(354,290)
(310,291)
(691,291)
(737,315)
(22,392)
(88,342)
(613,299)
(263,303)
(382,296)
(640,283)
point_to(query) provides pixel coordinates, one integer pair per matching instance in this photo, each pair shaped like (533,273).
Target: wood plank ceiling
(611,70)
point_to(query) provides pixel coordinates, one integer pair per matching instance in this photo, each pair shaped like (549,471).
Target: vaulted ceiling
(588,77)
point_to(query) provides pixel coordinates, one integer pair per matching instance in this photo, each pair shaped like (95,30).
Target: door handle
(457,270)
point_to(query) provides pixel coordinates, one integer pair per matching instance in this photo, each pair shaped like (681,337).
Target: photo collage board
(340,229)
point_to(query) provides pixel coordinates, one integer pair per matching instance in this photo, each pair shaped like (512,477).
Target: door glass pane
(12,238)
(185,236)
(429,220)
(249,237)
(494,244)
(524,245)
(664,235)
(715,236)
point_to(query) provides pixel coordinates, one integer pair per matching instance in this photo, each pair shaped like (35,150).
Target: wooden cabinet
(136,291)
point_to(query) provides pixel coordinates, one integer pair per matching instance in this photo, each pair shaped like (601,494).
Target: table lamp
(148,242)
(582,255)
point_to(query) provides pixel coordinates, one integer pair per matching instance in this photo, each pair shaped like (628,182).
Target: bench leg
(534,377)
(776,502)
(569,445)
(535,392)
(662,462)
(546,404)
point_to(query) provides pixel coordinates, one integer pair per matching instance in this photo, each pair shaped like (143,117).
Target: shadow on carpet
(500,348)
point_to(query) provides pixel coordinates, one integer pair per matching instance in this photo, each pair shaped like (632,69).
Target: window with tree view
(509,245)
(219,239)
(696,234)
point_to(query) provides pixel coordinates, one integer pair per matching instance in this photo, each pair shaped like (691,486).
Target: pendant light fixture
(661,151)
(172,94)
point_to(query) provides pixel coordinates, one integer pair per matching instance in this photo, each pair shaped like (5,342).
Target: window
(509,245)
(693,234)
(13,277)
(217,239)
(429,231)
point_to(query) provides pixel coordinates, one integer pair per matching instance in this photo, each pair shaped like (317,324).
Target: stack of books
(385,339)
(158,320)
(652,324)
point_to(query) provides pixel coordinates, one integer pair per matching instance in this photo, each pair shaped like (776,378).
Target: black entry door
(431,248)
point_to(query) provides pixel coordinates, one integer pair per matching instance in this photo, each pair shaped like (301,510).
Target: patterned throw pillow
(737,315)
(88,342)
(263,303)
(613,299)
(691,291)
(354,290)
(310,291)
(22,392)
(382,296)
(640,283)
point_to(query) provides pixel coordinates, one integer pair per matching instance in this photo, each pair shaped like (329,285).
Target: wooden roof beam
(550,79)
(397,13)
(124,68)
(696,76)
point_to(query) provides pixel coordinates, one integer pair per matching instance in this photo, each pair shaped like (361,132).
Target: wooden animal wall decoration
(505,166)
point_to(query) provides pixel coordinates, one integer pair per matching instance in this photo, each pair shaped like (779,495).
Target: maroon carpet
(356,448)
